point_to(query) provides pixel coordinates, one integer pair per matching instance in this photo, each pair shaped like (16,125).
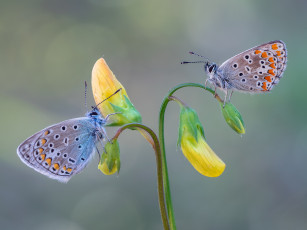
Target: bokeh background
(48,49)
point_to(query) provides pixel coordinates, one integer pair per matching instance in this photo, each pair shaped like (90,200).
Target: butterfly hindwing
(61,150)
(257,69)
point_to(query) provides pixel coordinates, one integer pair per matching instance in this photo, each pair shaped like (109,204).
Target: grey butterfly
(256,70)
(64,149)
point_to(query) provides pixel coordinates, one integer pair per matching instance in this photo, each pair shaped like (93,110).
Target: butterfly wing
(257,69)
(61,150)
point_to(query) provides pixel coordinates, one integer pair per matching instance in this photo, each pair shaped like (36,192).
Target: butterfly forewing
(257,69)
(61,150)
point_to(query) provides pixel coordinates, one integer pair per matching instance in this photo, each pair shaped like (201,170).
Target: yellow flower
(104,84)
(110,159)
(233,117)
(194,146)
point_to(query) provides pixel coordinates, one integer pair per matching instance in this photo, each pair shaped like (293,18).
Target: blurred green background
(48,49)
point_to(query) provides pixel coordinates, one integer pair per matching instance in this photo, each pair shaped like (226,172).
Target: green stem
(157,149)
(167,190)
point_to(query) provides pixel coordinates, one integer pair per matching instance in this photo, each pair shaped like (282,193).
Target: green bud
(189,122)
(233,117)
(126,113)
(110,159)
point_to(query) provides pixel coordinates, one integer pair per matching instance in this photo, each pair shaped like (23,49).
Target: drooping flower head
(194,146)
(104,84)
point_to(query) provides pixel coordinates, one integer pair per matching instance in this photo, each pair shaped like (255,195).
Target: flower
(104,84)
(233,117)
(110,159)
(194,146)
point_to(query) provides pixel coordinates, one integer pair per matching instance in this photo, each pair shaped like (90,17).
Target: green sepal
(126,114)
(189,122)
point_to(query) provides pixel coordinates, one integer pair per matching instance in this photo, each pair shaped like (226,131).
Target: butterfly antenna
(108,97)
(198,55)
(187,62)
(85,84)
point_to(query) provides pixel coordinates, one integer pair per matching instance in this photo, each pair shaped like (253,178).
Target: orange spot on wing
(43,156)
(69,169)
(43,141)
(274,46)
(271,59)
(273,66)
(64,167)
(46,132)
(264,86)
(40,150)
(278,53)
(48,161)
(264,55)
(271,71)
(56,166)
(268,78)
(257,52)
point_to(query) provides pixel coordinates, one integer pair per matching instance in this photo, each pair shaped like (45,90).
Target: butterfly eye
(212,68)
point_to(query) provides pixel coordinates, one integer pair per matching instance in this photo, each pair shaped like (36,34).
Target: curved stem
(167,190)
(157,149)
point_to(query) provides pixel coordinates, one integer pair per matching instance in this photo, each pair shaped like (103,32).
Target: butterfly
(256,70)
(64,149)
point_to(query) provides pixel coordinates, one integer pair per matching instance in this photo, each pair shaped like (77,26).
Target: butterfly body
(256,70)
(64,149)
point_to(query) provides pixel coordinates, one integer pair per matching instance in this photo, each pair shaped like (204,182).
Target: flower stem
(156,147)
(167,190)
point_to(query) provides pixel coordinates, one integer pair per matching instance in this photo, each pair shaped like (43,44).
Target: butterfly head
(95,113)
(210,68)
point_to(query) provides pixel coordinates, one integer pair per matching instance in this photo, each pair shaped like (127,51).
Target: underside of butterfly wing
(61,150)
(257,69)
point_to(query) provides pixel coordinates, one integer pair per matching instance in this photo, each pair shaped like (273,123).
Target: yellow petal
(104,84)
(201,156)
(105,170)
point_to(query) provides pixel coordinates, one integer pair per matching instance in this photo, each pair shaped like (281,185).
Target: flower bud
(194,146)
(233,117)
(110,159)
(104,84)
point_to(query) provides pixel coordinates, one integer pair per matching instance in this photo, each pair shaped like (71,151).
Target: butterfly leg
(108,116)
(100,140)
(206,82)
(230,95)
(104,134)
(99,155)
(225,99)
